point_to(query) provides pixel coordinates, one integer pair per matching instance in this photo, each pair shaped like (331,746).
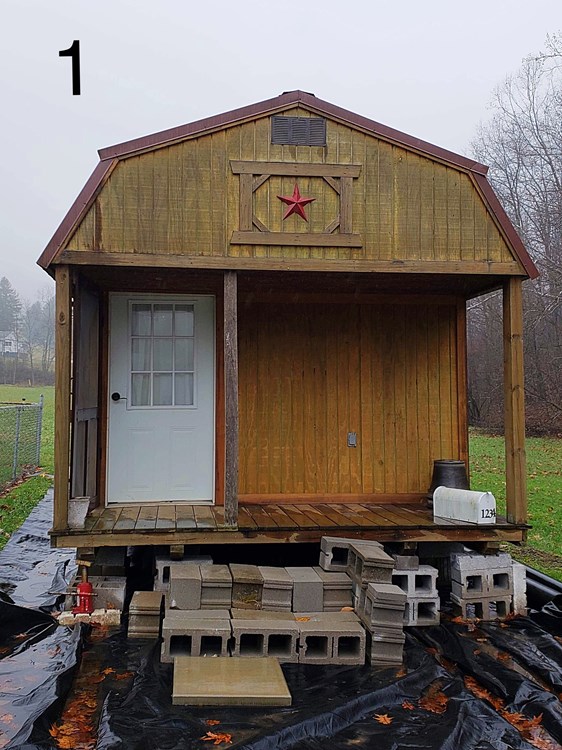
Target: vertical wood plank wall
(63,334)
(311,373)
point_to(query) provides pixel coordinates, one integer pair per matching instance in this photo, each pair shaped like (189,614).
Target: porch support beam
(231,397)
(63,325)
(514,402)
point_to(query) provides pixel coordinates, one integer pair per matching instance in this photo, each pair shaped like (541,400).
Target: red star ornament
(296,203)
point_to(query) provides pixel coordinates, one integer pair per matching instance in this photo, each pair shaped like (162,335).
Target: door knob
(115,396)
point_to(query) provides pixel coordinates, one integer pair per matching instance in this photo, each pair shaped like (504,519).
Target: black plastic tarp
(495,686)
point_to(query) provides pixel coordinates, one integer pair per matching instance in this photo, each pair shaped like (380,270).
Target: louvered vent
(298,131)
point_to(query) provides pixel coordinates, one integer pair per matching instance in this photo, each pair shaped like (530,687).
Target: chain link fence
(20,440)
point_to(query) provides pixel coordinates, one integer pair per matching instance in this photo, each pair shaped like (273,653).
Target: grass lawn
(16,505)
(544,468)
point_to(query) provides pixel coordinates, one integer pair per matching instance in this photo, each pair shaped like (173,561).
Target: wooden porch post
(514,402)
(63,326)
(231,397)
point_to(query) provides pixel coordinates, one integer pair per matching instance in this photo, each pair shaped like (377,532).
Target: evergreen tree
(10,306)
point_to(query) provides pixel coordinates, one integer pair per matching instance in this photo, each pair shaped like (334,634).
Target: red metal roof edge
(505,222)
(289,98)
(76,212)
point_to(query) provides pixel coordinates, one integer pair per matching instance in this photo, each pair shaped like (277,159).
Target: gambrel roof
(113,156)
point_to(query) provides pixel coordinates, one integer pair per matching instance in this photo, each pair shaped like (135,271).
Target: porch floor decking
(205,524)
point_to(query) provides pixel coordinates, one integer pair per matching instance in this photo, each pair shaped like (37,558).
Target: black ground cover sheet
(490,686)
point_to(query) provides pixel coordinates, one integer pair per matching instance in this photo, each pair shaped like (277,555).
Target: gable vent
(298,131)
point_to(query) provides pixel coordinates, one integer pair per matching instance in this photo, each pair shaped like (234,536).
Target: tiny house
(261,332)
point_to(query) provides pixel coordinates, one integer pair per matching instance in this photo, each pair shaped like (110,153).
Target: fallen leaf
(217,738)
(124,676)
(347,609)
(434,700)
(302,619)
(212,722)
(6,718)
(383,718)
(408,706)
(108,670)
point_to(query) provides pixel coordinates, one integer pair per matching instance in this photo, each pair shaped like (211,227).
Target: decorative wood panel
(312,373)
(185,200)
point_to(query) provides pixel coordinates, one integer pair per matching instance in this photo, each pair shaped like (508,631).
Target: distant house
(9,344)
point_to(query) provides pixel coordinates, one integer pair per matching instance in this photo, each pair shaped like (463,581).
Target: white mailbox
(464,505)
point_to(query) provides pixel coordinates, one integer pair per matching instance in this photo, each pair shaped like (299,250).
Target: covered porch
(195,524)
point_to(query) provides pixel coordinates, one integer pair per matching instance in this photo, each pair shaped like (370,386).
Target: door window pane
(184,320)
(140,389)
(184,354)
(140,354)
(184,389)
(163,320)
(141,320)
(162,354)
(162,390)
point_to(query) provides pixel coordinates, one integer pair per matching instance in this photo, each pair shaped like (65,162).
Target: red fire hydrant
(84,595)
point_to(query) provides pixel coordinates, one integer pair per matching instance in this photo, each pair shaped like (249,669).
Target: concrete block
(278,638)
(146,602)
(470,561)
(385,650)
(164,564)
(333,618)
(109,590)
(519,605)
(368,563)
(188,636)
(328,642)
(277,592)
(383,606)
(261,614)
(337,589)
(486,609)
(473,584)
(308,590)
(406,562)
(185,586)
(247,586)
(109,561)
(422,612)
(143,626)
(334,552)
(106,617)
(417,584)
(216,587)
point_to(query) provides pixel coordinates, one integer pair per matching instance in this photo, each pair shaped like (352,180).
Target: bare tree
(522,144)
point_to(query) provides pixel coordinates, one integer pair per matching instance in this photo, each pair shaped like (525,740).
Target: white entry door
(161,441)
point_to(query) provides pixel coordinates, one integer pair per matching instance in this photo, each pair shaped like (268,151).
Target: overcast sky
(426,68)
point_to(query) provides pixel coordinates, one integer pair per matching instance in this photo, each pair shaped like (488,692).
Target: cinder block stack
(247,586)
(144,614)
(277,593)
(482,585)
(337,590)
(216,587)
(383,616)
(422,599)
(367,563)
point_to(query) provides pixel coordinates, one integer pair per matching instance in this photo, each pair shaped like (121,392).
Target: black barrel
(447,473)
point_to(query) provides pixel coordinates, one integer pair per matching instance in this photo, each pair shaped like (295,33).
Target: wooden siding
(184,200)
(311,373)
